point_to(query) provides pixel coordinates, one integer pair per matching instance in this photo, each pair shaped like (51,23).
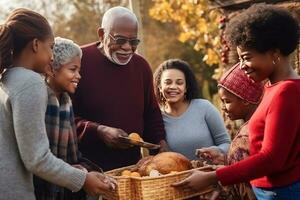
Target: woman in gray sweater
(26,42)
(190,122)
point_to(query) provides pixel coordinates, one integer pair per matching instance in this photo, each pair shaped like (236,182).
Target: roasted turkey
(164,163)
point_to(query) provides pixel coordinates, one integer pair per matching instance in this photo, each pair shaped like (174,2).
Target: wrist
(101,130)
(87,179)
(221,159)
(162,142)
(225,159)
(213,179)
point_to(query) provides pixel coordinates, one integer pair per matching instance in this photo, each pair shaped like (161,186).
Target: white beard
(116,60)
(113,57)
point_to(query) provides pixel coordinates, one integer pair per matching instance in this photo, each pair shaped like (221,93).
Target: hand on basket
(97,183)
(211,154)
(197,180)
(111,136)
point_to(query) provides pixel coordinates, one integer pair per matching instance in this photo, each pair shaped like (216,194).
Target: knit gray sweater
(24,146)
(201,125)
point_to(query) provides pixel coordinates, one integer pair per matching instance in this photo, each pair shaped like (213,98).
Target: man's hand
(111,136)
(97,183)
(163,146)
(212,155)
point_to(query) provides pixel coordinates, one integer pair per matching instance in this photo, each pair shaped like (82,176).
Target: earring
(161,97)
(274,63)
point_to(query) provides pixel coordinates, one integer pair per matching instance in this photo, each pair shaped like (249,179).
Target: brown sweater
(116,96)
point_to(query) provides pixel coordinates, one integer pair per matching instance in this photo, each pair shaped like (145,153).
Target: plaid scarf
(62,136)
(60,127)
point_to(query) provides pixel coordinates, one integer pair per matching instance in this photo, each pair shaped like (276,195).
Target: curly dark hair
(192,91)
(264,27)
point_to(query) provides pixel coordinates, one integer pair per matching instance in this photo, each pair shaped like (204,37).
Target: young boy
(62,78)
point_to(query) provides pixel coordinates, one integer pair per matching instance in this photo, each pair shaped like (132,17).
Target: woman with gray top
(190,122)
(26,42)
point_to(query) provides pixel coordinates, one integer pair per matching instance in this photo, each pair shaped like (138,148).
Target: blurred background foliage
(198,24)
(185,29)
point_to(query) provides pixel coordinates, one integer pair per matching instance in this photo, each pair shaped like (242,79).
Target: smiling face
(257,66)
(124,28)
(234,107)
(66,78)
(173,85)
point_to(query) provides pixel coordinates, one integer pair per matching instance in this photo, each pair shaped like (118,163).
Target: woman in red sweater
(265,36)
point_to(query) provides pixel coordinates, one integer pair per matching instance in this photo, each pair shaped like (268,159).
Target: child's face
(234,107)
(67,77)
(257,66)
(173,85)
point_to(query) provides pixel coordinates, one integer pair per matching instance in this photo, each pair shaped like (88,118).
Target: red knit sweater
(274,133)
(116,96)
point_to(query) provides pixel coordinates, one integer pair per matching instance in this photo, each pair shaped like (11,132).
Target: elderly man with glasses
(115,95)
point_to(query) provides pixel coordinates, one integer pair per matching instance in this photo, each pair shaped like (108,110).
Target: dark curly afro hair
(264,27)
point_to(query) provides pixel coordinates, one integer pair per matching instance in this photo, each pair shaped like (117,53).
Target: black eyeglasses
(122,40)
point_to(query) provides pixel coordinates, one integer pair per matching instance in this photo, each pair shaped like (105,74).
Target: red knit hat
(236,81)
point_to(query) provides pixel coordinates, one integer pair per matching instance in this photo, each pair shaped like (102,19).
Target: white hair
(64,51)
(116,13)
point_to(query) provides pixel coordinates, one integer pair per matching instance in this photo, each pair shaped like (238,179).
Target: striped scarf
(62,136)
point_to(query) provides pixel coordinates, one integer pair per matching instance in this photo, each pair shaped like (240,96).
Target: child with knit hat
(240,97)
(264,49)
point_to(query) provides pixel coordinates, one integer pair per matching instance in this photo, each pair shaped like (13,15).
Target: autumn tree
(82,24)
(197,22)
(79,19)
(74,19)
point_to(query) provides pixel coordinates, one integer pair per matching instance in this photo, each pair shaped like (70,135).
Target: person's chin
(70,90)
(253,76)
(121,60)
(173,100)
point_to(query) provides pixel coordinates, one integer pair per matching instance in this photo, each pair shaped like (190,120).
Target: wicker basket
(151,188)
(125,188)
(159,188)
